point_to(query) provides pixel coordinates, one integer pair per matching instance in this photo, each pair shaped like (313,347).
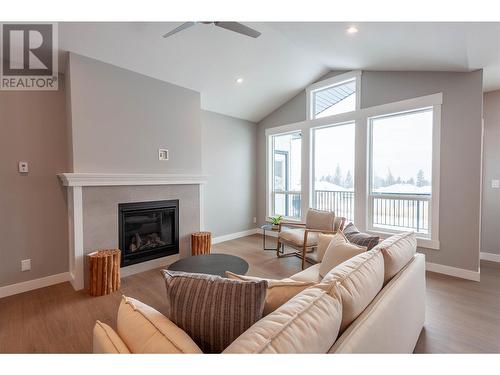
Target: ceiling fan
(232,26)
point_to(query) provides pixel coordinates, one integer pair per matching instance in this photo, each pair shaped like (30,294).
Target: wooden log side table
(201,243)
(104,275)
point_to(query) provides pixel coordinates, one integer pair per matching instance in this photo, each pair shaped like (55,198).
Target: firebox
(148,230)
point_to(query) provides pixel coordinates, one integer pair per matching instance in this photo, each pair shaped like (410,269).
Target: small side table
(270,227)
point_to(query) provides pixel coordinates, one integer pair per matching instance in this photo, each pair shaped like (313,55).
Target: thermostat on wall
(162,154)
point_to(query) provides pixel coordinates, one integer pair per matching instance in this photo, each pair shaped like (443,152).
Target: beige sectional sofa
(372,303)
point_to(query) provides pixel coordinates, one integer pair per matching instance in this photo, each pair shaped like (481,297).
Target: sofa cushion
(310,274)
(296,236)
(145,330)
(106,340)
(278,291)
(397,250)
(362,239)
(213,310)
(359,280)
(308,323)
(339,250)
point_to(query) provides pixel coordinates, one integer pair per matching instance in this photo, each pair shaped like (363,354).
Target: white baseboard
(149,265)
(453,271)
(26,286)
(490,257)
(233,236)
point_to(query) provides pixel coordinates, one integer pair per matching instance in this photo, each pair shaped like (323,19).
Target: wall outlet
(25,265)
(255,220)
(495,184)
(162,154)
(23,167)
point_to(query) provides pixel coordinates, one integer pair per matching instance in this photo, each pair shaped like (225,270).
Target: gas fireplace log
(104,272)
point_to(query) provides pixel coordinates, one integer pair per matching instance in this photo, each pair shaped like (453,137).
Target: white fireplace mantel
(117,179)
(77,181)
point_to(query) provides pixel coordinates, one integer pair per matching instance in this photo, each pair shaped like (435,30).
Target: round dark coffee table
(212,264)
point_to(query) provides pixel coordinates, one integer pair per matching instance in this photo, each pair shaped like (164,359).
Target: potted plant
(275,221)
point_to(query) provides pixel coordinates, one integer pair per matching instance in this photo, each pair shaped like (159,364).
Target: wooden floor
(462,316)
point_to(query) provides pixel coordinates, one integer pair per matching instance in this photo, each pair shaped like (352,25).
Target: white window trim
(361,174)
(270,172)
(333,81)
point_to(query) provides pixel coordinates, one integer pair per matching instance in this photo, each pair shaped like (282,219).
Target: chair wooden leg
(303,256)
(278,247)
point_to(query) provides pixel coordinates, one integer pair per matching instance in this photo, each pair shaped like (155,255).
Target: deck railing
(341,202)
(388,211)
(401,211)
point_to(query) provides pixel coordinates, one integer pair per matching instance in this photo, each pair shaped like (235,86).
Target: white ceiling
(285,58)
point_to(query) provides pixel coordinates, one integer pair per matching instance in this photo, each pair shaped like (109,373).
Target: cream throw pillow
(278,291)
(145,330)
(323,242)
(338,251)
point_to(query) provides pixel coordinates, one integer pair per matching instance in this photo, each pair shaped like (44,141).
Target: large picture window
(376,166)
(333,169)
(286,175)
(400,194)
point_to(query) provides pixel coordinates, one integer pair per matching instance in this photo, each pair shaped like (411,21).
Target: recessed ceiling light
(352,30)
(239,80)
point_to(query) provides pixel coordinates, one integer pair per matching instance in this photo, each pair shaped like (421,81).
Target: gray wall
(228,154)
(120,119)
(490,240)
(460,150)
(33,223)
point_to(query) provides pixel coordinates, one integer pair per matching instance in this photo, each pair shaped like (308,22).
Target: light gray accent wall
(121,118)
(461,115)
(33,223)
(228,154)
(460,151)
(490,240)
(100,212)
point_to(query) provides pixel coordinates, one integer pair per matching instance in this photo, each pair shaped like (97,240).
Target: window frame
(270,201)
(362,170)
(371,195)
(330,82)
(312,199)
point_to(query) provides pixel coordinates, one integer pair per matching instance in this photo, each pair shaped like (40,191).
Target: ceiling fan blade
(239,28)
(185,25)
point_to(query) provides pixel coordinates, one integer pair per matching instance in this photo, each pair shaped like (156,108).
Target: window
(333,96)
(400,195)
(286,175)
(333,169)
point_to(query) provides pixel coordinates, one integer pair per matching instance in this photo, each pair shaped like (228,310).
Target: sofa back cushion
(359,281)
(213,310)
(145,330)
(338,251)
(278,291)
(308,323)
(397,250)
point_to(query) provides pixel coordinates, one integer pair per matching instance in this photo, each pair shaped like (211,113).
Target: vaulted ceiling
(285,58)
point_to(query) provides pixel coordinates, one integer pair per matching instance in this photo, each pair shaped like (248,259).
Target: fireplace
(148,230)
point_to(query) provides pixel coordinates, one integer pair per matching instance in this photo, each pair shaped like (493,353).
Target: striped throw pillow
(213,310)
(354,236)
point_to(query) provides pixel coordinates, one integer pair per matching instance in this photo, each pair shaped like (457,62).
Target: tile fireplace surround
(93,200)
